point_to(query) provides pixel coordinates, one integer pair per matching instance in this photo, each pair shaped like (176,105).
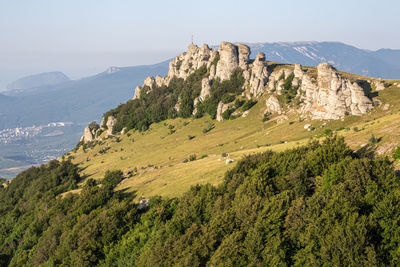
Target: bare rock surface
(110,124)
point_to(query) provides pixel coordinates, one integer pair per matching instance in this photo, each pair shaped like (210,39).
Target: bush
(227,98)
(396,153)
(238,103)
(190,137)
(373,140)
(209,127)
(192,157)
(224,155)
(328,132)
(267,116)
(355,129)
(248,105)
(112,178)
(227,113)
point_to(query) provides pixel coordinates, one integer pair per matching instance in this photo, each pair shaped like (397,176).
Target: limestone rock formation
(333,96)
(243,56)
(137,92)
(379,85)
(327,95)
(273,105)
(221,109)
(89,133)
(259,75)
(228,61)
(110,124)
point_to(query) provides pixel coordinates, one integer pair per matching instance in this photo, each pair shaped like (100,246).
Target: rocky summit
(326,96)
(321,93)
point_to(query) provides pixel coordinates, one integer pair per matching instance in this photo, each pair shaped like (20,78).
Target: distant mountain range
(31,84)
(76,101)
(383,63)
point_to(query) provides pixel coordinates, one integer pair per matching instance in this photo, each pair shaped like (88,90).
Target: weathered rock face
(244,55)
(205,89)
(110,124)
(231,57)
(259,75)
(89,133)
(273,105)
(333,96)
(229,60)
(137,92)
(379,85)
(221,109)
(274,82)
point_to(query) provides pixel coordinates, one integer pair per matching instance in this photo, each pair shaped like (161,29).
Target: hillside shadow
(366,151)
(129,195)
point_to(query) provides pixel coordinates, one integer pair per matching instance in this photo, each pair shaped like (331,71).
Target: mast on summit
(192,38)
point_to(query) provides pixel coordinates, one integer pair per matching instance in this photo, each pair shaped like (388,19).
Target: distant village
(13,135)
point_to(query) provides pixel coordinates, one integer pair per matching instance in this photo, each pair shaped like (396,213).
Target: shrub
(227,98)
(328,132)
(192,157)
(224,155)
(209,127)
(248,105)
(396,153)
(267,116)
(373,140)
(227,113)
(355,129)
(112,178)
(238,103)
(190,137)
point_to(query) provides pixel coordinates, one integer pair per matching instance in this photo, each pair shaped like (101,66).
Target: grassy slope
(159,155)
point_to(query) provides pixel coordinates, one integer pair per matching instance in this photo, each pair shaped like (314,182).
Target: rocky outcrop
(110,124)
(333,96)
(326,95)
(228,60)
(137,92)
(89,134)
(221,109)
(243,56)
(273,105)
(259,75)
(220,65)
(379,85)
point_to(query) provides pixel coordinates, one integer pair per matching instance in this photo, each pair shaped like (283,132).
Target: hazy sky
(82,37)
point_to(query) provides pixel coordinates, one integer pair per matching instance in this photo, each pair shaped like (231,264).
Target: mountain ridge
(32,83)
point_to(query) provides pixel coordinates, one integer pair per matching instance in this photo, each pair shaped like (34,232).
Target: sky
(84,37)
